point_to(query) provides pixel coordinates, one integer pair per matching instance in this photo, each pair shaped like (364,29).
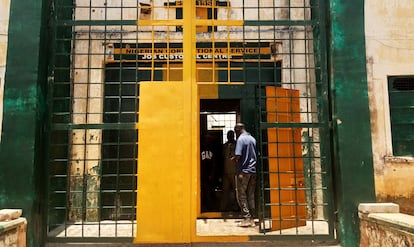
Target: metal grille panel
(268,52)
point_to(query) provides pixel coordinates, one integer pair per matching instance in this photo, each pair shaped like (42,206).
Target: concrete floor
(226,227)
(205,227)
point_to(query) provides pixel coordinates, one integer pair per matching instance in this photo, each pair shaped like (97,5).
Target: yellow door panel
(286,179)
(170,189)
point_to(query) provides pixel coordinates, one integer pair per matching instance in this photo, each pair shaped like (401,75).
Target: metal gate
(269,54)
(296,180)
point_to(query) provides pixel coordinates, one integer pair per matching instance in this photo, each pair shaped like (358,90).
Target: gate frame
(347,75)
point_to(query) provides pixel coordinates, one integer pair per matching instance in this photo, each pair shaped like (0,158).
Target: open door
(286,174)
(217,117)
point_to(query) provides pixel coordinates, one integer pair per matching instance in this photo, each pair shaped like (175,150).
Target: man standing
(245,157)
(228,201)
(208,173)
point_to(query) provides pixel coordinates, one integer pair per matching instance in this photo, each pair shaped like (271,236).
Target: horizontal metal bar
(205,22)
(97,23)
(115,191)
(280,23)
(266,125)
(160,22)
(312,238)
(93,126)
(180,22)
(98,239)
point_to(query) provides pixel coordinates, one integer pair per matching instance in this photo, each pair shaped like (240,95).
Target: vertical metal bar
(190,86)
(70,113)
(51,80)
(85,174)
(325,112)
(309,118)
(134,170)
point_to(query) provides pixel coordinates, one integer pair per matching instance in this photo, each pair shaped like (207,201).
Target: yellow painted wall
(389,48)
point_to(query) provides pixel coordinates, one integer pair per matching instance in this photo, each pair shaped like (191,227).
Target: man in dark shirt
(208,171)
(228,201)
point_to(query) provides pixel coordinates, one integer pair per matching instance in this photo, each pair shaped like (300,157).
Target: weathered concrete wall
(390,52)
(383,225)
(4,28)
(379,234)
(13,233)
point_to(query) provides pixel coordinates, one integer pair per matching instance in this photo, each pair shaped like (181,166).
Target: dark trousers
(246,186)
(207,195)
(228,201)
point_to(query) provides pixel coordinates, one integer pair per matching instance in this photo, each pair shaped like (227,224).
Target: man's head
(239,128)
(230,135)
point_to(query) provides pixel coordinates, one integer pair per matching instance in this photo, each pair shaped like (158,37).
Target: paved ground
(244,244)
(205,227)
(225,227)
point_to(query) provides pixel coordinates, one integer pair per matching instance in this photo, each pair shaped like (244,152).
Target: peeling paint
(3,197)
(389,51)
(84,193)
(351,128)
(381,234)
(20,101)
(405,203)
(337,29)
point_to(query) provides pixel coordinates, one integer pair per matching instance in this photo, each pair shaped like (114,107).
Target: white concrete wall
(389,28)
(4,28)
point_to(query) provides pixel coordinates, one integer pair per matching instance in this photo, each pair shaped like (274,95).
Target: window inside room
(221,121)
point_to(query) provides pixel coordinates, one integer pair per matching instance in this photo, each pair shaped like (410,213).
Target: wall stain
(18,100)
(84,194)
(337,29)
(405,203)
(307,154)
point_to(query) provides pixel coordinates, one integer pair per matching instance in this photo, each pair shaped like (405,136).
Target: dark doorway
(217,117)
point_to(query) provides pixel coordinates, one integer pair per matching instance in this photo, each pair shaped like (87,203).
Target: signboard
(204,51)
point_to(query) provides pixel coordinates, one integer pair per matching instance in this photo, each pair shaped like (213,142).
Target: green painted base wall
(20,147)
(353,163)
